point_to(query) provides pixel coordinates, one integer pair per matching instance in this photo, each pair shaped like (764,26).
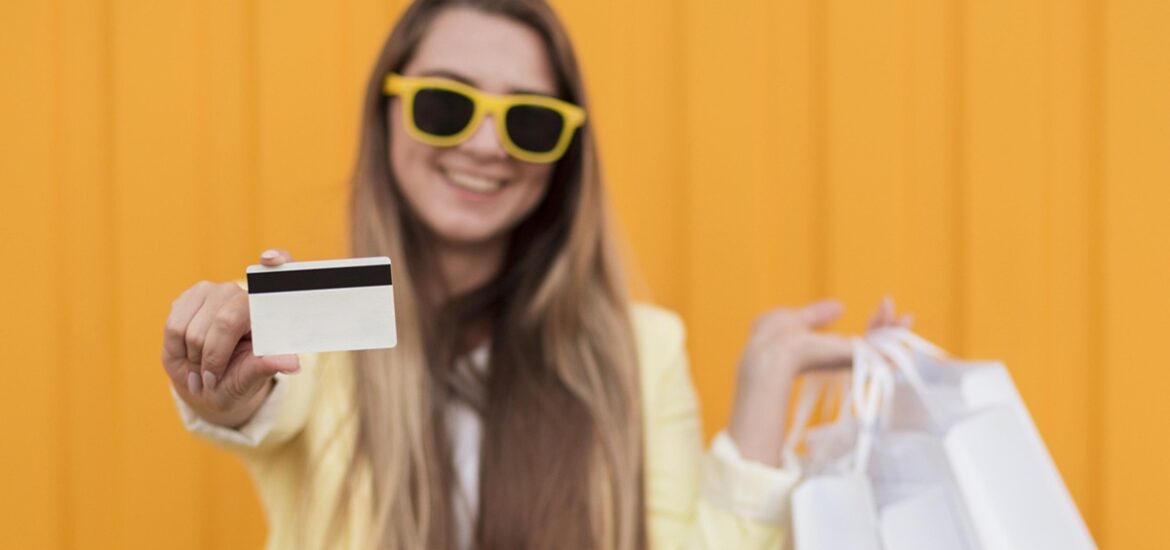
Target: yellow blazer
(695,500)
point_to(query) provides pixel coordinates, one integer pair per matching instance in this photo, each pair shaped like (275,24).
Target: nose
(484,142)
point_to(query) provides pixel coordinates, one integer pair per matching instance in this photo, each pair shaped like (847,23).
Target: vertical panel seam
(680,138)
(685,133)
(252,124)
(1097,343)
(63,426)
(910,181)
(771,142)
(959,176)
(1048,221)
(821,234)
(1047,148)
(201,97)
(343,64)
(110,177)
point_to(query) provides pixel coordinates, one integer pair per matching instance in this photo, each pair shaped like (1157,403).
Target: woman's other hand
(207,351)
(783,343)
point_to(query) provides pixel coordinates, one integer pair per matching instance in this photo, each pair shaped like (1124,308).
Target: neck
(468,267)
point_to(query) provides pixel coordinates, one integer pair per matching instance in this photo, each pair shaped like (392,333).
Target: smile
(472,183)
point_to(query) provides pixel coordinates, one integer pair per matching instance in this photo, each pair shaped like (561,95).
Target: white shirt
(465,429)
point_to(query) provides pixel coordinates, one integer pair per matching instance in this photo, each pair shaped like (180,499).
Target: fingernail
(209,380)
(908,319)
(193,385)
(270,254)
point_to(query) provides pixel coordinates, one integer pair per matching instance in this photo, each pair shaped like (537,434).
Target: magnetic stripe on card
(318,279)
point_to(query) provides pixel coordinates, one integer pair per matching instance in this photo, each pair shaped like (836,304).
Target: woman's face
(473,193)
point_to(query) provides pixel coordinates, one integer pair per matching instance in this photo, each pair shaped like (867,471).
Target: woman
(528,404)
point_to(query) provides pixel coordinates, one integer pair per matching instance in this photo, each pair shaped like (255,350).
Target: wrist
(772,367)
(757,423)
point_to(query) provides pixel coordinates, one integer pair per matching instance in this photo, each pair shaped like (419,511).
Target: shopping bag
(834,507)
(916,494)
(1009,486)
(835,511)
(923,521)
(918,503)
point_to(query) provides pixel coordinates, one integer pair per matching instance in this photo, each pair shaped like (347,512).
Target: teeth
(474,183)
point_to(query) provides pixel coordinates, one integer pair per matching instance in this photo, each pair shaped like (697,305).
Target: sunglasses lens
(533,128)
(442,112)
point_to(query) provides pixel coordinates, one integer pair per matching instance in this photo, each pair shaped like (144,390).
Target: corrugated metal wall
(1002,167)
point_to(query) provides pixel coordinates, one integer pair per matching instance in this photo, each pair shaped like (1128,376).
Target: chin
(464,235)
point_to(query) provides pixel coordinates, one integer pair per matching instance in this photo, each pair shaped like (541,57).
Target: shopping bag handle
(898,345)
(869,391)
(905,337)
(811,389)
(873,386)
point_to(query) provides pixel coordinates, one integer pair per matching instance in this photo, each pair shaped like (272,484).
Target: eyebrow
(442,73)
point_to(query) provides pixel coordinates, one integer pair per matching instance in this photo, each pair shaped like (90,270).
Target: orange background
(1001,167)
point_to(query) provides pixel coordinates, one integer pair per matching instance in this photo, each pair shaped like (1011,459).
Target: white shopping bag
(918,503)
(923,521)
(834,512)
(834,508)
(905,499)
(1008,484)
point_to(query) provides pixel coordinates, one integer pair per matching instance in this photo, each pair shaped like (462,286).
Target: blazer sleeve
(702,500)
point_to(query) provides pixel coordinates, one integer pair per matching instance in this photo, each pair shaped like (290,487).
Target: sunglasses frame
(483,104)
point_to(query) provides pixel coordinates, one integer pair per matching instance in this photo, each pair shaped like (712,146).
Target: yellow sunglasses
(444,113)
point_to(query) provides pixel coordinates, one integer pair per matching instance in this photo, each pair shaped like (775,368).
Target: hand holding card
(329,305)
(207,351)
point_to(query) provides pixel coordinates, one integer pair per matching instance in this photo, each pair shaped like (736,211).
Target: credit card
(328,305)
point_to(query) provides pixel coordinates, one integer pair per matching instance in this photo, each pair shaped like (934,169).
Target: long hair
(562,458)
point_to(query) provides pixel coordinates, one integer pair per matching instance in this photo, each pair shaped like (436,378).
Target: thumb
(826,351)
(253,372)
(275,256)
(289,364)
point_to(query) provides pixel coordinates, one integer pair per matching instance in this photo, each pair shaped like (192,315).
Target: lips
(473,183)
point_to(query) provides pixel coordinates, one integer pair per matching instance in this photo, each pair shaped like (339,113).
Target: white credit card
(330,305)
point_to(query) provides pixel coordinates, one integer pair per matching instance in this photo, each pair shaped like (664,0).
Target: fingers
(197,331)
(819,314)
(229,324)
(194,386)
(824,312)
(201,323)
(785,320)
(826,351)
(832,351)
(882,316)
(275,256)
(205,344)
(243,388)
(183,309)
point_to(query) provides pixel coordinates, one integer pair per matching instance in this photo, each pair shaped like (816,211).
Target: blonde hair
(562,458)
